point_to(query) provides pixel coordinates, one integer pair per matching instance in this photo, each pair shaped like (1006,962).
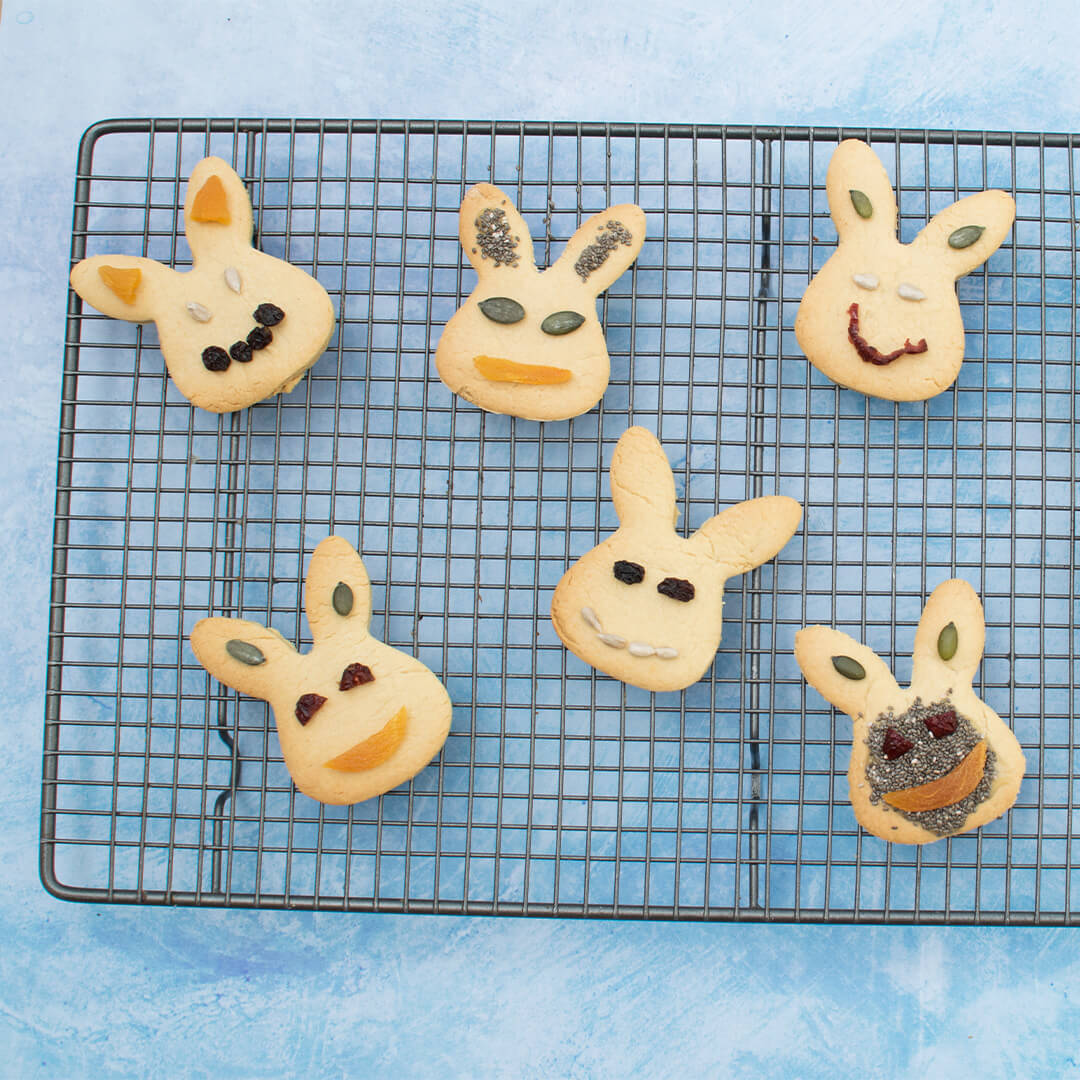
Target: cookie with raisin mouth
(930,761)
(880,316)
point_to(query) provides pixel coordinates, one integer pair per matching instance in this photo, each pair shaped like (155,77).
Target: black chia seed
(595,255)
(928,760)
(494,237)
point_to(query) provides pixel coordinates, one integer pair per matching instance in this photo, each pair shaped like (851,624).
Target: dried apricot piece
(374,750)
(211,203)
(497,369)
(123,282)
(945,790)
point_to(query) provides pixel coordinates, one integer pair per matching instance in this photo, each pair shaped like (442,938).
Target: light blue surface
(95,990)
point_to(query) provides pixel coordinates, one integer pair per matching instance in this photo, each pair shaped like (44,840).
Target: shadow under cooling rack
(559,791)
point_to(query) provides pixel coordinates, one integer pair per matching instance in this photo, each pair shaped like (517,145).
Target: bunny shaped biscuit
(646,606)
(880,316)
(930,761)
(527,343)
(355,717)
(238,327)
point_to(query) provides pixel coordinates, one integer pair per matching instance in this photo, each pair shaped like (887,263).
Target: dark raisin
(240,351)
(355,675)
(268,314)
(942,723)
(630,573)
(677,588)
(894,744)
(260,337)
(215,358)
(308,706)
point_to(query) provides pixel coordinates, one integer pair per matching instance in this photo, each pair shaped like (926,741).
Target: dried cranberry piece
(676,588)
(308,706)
(260,337)
(895,745)
(268,314)
(240,351)
(355,675)
(215,358)
(629,573)
(942,723)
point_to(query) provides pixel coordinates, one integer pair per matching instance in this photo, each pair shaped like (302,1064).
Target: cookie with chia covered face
(240,325)
(529,343)
(930,761)
(646,605)
(355,717)
(883,317)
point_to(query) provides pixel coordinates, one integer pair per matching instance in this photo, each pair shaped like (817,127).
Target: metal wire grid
(559,791)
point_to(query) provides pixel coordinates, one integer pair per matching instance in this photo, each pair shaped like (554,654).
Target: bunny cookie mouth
(499,369)
(616,641)
(375,749)
(871,354)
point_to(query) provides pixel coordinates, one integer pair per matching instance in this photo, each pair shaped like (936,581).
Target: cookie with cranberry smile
(930,761)
(880,316)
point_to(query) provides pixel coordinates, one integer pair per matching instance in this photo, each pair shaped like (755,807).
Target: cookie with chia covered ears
(240,325)
(646,605)
(930,761)
(355,717)
(883,317)
(527,342)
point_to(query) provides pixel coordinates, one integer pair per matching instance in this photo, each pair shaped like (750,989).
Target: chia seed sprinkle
(493,236)
(929,759)
(607,240)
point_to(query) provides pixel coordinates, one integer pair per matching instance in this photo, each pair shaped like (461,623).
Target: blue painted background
(114,991)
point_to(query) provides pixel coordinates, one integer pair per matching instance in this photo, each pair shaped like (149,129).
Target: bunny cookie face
(880,316)
(645,606)
(354,717)
(930,761)
(527,343)
(238,327)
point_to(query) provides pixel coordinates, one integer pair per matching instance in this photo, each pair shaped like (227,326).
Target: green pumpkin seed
(850,669)
(562,322)
(245,652)
(947,642)
(502,309)
(343,598)
(863,207)
(966,236)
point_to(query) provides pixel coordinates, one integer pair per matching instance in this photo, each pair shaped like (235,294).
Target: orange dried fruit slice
(124,283)
(945,790)
(210,202)
(499,370)
(375,749)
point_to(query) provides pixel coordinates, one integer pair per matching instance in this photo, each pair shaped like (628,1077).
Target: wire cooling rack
(559,791)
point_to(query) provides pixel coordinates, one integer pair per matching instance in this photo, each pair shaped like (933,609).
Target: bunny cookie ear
(337,591)
(494,235)
(124,287)
(642,484)
(603,247)
(966,234)
(861,198)
(217,210)
(749,533)
(843,670)
(244,655)
(950,639)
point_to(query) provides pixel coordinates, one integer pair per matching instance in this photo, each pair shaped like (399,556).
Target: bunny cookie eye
(677,589)
(909,292)
(865,281)
(308,705)
(502,309)
(561,322)
(629,573)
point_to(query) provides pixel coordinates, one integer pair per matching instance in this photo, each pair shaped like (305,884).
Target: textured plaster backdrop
(96,991)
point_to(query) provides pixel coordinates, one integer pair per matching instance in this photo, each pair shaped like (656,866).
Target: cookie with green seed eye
(932,760)
(528,342)
(880,316)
